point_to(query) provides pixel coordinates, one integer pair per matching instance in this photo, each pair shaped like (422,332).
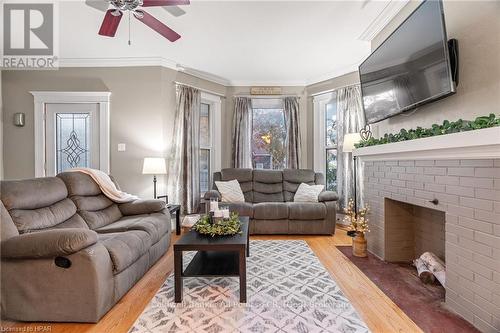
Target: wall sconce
(19,119)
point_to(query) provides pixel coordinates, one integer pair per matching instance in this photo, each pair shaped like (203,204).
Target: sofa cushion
(79,183)
(92,205)
(306,211)
(308,193)
(32,193)
(270,211)
(242,208)
(267,186)
(243,176)
(125,247)
(292,178)
(100,218)
(27,220)
(156,225)
(230,191)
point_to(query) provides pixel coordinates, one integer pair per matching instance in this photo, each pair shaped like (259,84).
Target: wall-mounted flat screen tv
(410,68)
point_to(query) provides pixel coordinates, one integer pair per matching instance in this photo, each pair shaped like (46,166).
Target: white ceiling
(234,42)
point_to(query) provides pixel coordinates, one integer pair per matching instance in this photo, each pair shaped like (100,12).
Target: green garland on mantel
(446,128)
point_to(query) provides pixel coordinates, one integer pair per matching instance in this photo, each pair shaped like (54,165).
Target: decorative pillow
(230,191)
(308,193)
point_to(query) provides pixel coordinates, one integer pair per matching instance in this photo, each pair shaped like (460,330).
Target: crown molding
(166,63)
(139,62)
(117,62)
(392,8)
(249,83)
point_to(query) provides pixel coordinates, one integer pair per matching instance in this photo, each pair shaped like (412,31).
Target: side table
(176,209)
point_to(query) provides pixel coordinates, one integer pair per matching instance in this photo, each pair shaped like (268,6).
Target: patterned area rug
(288,290)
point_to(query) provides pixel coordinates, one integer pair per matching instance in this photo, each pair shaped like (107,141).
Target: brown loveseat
(68,252)
(269,201)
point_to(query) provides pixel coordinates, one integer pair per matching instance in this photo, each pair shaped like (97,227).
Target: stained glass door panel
(72,136)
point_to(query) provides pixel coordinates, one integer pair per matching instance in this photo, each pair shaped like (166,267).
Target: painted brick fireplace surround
(461,171)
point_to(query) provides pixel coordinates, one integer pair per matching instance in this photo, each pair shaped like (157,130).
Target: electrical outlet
(122,147)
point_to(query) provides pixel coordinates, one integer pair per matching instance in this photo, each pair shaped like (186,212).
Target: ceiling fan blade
(110,23)
(157,26)
(175,10)
(153,3)
(101,5)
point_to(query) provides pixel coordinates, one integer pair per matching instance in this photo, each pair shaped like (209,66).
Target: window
(210,139)
(268,134)
(205,147)
(325,138)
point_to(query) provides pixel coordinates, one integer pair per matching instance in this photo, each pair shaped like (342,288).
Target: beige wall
(476,26)
(142,113)
(317,88)
(1,128)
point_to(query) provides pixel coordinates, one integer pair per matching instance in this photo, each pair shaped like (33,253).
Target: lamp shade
(350,139)
(154,166)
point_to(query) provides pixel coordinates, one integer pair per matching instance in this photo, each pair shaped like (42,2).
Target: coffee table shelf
(213,263)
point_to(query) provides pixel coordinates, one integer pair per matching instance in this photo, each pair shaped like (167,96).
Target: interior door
(71,137)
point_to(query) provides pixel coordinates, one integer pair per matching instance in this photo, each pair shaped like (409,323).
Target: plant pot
(359,245)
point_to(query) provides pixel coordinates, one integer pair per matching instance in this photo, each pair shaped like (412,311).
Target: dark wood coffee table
(216,256)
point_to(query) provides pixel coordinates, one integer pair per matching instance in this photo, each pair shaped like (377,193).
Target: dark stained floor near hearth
(423,303)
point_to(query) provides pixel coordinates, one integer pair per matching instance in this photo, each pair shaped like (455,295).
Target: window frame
(266,104)
(320,148)
(215,121)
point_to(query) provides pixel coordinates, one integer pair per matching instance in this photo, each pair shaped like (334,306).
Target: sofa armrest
(328,196)
(139,207)
(212,194)
(49,243)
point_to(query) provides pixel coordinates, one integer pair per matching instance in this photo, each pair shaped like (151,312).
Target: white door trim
(215,130)
(319,105)
(41,98)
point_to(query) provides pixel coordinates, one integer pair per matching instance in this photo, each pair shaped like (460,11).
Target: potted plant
(358,223)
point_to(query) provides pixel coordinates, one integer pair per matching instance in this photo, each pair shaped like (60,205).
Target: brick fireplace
(441,195)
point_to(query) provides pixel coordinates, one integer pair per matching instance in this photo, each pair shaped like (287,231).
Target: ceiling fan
(134,7)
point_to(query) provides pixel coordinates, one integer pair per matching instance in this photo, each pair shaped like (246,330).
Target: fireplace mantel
(477,144)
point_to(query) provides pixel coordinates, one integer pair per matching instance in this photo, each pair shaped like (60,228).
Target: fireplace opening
(411,230)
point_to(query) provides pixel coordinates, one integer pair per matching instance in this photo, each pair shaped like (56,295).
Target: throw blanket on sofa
(106,185)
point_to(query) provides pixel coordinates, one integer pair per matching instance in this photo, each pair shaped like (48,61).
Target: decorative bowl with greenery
(222,227)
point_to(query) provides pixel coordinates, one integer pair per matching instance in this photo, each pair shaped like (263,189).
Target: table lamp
(154,166)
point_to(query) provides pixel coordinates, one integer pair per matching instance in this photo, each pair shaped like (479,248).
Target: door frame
(41,98)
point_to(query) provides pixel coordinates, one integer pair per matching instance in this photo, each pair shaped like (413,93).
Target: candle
(214,205)
(218,213)
(225,213)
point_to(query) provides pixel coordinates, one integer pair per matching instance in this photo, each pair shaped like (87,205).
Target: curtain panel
(184,167)
(242,133)
(291,111)
(351,120)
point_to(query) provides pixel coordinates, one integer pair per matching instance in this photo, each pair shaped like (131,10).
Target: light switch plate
(122,147)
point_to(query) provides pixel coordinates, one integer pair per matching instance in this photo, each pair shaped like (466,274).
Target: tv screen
(410,68)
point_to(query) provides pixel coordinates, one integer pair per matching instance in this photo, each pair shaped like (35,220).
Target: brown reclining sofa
(68,253)
(269,201)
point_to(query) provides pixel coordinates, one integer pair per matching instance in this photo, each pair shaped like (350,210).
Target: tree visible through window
(331,145)
(268,139)
(205,147)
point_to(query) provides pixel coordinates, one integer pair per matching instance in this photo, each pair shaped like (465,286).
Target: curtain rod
(266,96)
(332,90)
(201,89)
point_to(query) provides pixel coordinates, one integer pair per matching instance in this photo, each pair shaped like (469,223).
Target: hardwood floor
(376,309)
